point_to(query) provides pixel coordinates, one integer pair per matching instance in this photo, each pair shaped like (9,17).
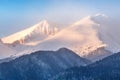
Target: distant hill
(106,69)
(40,65)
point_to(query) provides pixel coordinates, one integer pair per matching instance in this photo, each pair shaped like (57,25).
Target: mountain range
(62,64)
(40,65)
(105,69)
(87,37)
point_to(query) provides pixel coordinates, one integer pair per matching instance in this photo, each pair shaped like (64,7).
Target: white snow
(37,32)
(83,36)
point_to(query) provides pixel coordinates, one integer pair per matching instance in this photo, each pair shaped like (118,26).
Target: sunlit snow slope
(33,34)
(84,37)
(81,37)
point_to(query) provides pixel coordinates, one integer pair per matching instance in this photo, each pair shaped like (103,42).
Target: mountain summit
(87,37)
(35,33)
(40,65)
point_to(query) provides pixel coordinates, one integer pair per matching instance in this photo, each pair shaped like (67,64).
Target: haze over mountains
(62,64)
(5,51)
(83,50)
(83,37)
(40,65)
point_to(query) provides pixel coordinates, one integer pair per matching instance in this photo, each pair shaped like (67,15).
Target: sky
(16,15)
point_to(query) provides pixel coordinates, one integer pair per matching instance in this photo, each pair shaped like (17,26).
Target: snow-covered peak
(44,28)
(83,37)
(87,20)
(37,32)
(94,19)
(80,37)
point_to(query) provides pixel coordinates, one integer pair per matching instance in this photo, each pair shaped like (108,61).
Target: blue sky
(16,15)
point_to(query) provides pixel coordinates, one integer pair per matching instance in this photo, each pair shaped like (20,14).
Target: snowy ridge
(83,37)
(37,32)
(80,37)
